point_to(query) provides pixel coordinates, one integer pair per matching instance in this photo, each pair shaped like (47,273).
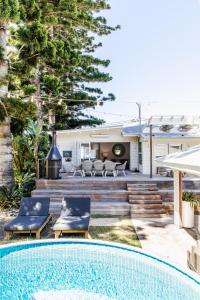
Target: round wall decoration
(118,150)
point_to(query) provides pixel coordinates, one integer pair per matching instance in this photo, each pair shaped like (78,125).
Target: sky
(155,59)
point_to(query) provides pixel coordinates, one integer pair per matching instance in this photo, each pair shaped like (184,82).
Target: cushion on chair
(72,223)
(25,223)
(34,206)
(75,207)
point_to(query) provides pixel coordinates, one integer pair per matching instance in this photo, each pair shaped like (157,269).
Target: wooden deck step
(84,183)
(142,190)
(146,206)
(139,201)
(149,216)
(141,185)
(145,200)
(146,192)
(97,208)
(144,197)
(95,195)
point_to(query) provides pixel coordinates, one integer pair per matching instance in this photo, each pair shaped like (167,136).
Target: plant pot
(187,214)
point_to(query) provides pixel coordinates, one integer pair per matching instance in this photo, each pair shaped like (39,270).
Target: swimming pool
(89,270)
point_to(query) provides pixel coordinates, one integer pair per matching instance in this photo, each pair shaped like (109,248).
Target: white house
(131,142)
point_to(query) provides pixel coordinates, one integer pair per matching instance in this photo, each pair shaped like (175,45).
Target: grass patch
(123,234)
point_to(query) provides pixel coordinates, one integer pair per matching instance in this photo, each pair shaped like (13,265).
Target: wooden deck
(109,195)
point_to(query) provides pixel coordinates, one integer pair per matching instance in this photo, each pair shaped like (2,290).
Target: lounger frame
(9,233)
(57,233)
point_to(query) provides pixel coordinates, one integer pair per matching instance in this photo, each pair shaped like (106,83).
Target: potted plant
(188,203)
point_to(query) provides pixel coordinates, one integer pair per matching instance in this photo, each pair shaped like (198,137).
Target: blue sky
(155,58)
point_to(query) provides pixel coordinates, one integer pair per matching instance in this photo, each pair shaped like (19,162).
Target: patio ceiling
(184,161)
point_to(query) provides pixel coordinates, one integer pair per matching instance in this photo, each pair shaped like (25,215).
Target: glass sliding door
(85,151)
(89,151)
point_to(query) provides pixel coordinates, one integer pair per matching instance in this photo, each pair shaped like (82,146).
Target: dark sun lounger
(74,217)
(32,217)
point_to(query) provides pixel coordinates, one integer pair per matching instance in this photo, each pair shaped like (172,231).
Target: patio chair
(110,167)
(87,166)
(32,217)
(78,169)
(68,167)
(74,217)
(121,168)
(98,167)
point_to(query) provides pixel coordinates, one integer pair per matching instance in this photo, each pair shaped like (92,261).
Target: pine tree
(8,12)
(55,60)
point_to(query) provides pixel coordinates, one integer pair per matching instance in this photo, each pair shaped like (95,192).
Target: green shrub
(190,197)
(10,196)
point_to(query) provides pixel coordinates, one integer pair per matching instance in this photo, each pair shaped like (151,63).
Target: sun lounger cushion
(72,223)
(75,207)
(34,206)
(25,223)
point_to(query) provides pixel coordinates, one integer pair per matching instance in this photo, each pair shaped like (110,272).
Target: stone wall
(6,169)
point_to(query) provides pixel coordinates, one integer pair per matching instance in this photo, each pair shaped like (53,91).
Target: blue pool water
(89,271)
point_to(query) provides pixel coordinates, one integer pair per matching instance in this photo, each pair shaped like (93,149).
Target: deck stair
(108,197)
(145,200)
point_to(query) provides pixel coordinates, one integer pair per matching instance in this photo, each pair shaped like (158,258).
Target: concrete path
(110,222)
(162,238)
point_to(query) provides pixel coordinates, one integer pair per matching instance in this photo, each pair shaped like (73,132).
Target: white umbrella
(185,161)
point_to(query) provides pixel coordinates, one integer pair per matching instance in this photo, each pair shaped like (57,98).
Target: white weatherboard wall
(157,151)
(134,155)
(72,139)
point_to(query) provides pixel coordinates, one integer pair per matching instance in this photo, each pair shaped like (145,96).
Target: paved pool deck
(162,238)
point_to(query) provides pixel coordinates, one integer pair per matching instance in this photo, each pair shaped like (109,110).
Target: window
(161,150)
(85,151)
(140,153)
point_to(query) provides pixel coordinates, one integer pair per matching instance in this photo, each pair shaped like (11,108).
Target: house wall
(162,147)
(134,155)
(71,141)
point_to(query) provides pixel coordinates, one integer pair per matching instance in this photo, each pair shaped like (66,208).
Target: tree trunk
(38,100)
(6,168)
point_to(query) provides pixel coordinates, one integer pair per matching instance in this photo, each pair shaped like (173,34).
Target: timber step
(72,184)
(142,192)
(144,197)
(147,211)
(97,208)
(95,195)
(139,201)
(146,206)
(110,183)
(145,200)
(141,216)
(141,185)
(142,189)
